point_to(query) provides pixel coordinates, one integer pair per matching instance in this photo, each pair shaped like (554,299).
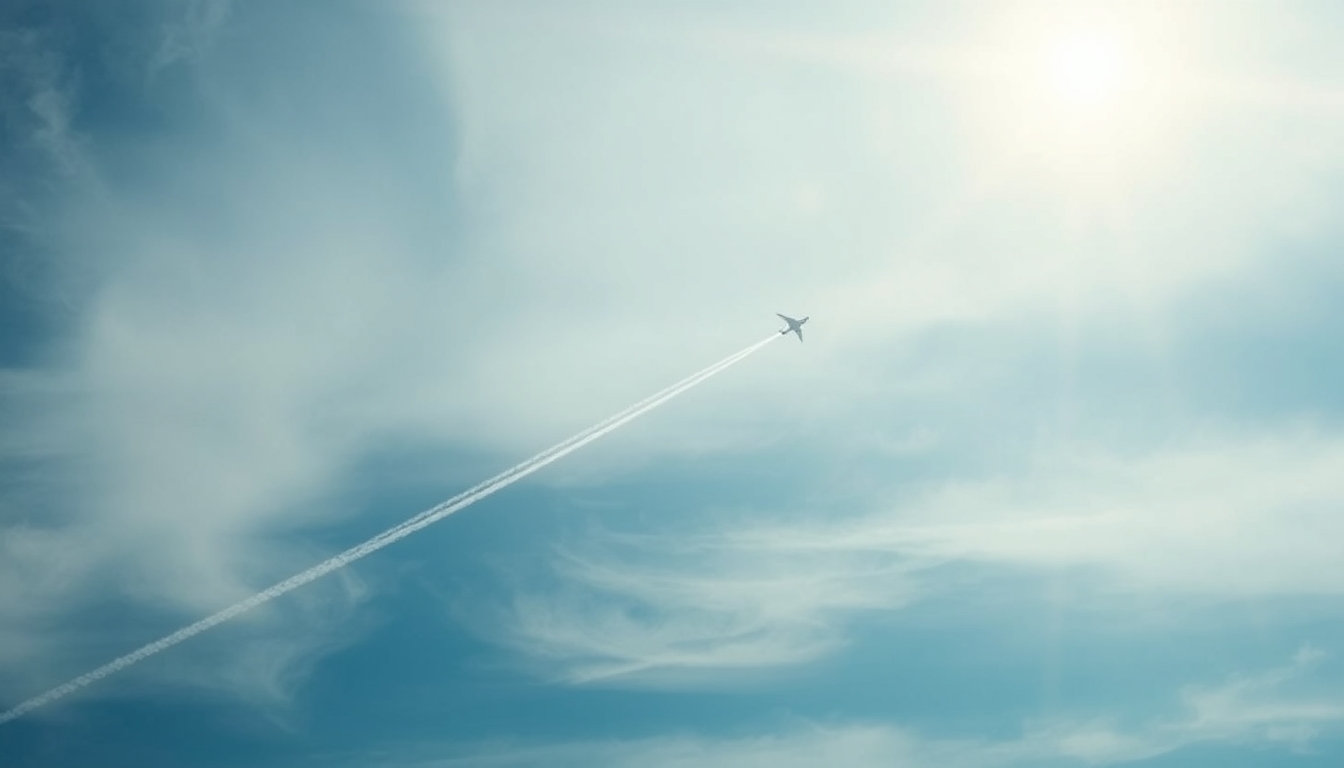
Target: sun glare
(1082,102)
(1085,70)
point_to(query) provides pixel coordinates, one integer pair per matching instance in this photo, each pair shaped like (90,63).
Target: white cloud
(281,293)
(190,36)
(1265,709)
(1215,519)
(1230,516)
(709,124)
(670,610)
(37,93)
(268,655)
(249,293)
(857,746)
(1290,705)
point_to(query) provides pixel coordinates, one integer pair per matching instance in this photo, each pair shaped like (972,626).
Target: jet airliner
(795,326)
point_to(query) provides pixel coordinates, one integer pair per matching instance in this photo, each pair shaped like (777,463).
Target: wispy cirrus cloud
(153,448)
(188,37)
(38,98)
(1213,519)
(1285,707)
(1238,514)
(660,609)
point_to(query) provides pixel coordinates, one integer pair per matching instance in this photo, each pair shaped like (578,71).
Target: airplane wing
(795,326)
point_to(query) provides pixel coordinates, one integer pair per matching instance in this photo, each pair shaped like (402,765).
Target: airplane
(795,326)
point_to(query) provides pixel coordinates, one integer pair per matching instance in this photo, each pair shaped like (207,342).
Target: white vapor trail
(395,533)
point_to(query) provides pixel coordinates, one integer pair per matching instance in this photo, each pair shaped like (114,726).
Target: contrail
(395,533)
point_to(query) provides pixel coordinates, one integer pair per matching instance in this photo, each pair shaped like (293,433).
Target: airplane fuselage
(795,326)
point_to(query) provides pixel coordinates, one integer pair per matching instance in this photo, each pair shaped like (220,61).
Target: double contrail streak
(395,533)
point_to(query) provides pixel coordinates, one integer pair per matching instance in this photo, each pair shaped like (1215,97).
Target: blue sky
(1054,481)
